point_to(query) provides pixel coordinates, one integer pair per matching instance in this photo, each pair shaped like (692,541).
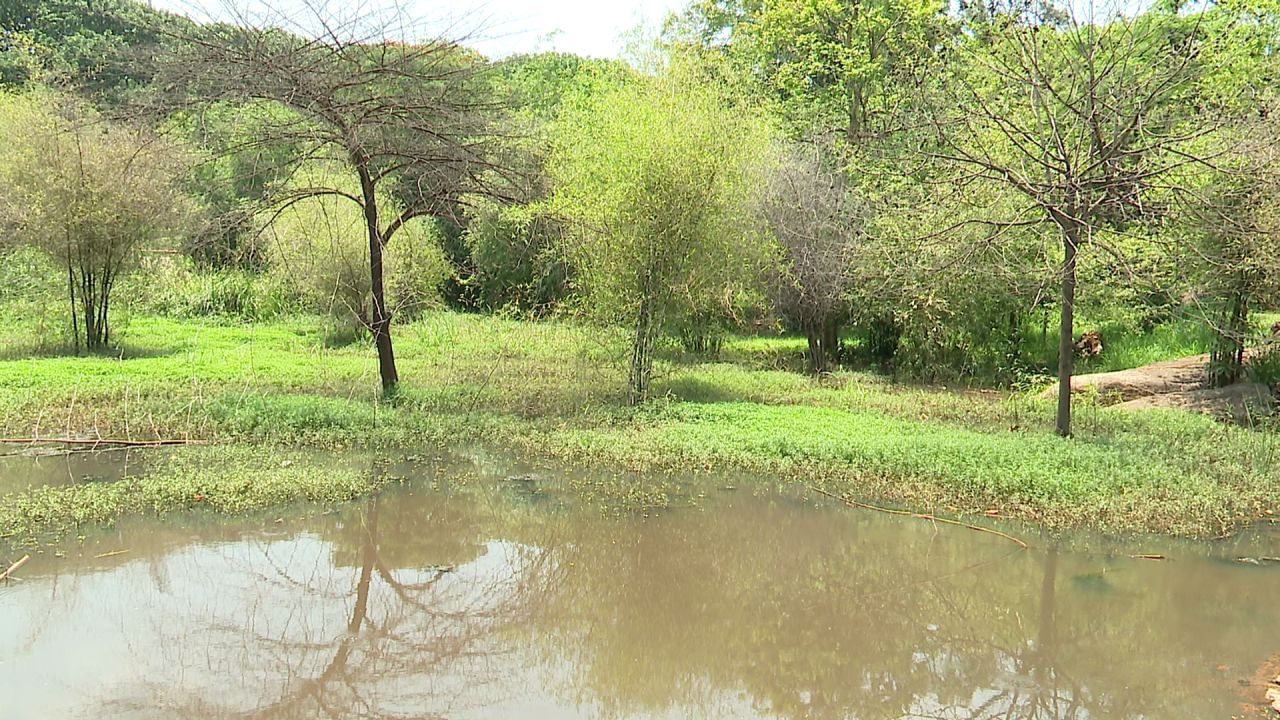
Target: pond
(469,593)
(37,467)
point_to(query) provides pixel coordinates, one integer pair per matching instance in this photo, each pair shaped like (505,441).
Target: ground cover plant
(552,388)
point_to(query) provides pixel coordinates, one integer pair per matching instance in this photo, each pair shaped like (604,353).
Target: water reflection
(25,469)
(484,603)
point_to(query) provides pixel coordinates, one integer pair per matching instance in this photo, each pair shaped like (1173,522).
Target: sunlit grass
(224,480)
(557,389)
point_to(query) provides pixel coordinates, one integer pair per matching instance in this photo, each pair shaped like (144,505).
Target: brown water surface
(506,598)
(23,469)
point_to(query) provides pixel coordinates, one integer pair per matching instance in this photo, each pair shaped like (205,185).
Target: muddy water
(504,598)
(23,470)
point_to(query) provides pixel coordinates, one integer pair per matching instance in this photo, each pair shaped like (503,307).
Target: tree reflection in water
(416,640)
(492,601)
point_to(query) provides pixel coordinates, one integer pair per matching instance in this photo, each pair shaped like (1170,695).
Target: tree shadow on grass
(48,351)
(699,390)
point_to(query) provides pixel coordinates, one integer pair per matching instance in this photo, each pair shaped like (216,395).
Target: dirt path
(1175,384)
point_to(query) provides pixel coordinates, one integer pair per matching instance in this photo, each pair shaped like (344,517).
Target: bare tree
(1085,117)
(408,119)
(811,210)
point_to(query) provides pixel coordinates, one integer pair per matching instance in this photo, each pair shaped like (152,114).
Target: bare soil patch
(1179,384)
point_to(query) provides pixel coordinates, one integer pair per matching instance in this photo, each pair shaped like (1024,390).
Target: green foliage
(27,278)
(518,261)
(855,66)
(540,85)
(33,304)
(837,59)
(653,183)
(174,286)
(94,45)
(232,181)
(20,58)
(91,194)
(1264,367)
(319,247)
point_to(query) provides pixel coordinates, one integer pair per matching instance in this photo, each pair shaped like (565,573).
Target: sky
(497,28)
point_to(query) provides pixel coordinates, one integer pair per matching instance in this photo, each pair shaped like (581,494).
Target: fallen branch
(109,554)
(920,516)
(12,568)
(90,445)
(95,442)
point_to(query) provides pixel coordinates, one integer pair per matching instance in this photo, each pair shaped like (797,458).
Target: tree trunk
(1066,329)
(71,295)
(817,355)
(380,320)
(831,339)
(642,345)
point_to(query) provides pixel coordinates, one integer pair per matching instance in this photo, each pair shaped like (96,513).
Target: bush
(1265,367)
(32,303)
(28,276)
(172,286)
(517,264)
(92,194)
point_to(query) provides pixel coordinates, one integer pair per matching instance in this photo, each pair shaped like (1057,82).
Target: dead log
(14,567)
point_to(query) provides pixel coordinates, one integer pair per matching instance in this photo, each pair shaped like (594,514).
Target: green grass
(556,389)
(1125,348)
(223,480)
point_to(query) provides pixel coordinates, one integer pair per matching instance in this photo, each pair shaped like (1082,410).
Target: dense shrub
(172,285)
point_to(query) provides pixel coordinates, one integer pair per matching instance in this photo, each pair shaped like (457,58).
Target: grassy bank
(555,389)
(229,481)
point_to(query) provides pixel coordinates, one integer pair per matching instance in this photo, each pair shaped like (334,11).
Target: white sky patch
(497,28)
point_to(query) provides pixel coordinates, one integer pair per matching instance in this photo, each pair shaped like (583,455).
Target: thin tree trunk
(380,322)
(642,351)
(71,295)
(106,315)
(1066,329)
(87,308)
(108,280)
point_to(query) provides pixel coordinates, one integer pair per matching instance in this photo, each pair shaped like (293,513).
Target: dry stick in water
(99,445)
(921,516)
(5,575)
(96,441)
